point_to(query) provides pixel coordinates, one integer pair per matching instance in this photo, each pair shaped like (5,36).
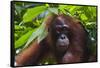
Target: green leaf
(53,10)
(32,37)
(33,12)
(17,27)
(21,41)
(83,17)
(62,8)
(40,33)
(43,33)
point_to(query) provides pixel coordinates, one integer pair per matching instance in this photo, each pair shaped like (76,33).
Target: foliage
(29,19)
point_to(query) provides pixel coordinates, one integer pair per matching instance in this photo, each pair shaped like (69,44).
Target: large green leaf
(33,12)
(22,40)
(40,33)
